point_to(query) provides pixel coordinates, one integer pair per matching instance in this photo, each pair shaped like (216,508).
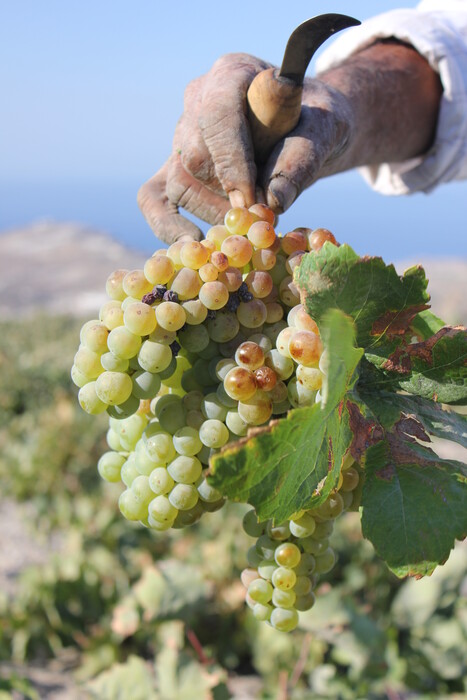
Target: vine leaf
(294,462)
(382,303)
(435,368)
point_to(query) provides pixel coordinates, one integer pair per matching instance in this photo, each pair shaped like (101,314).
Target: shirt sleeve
(438,31)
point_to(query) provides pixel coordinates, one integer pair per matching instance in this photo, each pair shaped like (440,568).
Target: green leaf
(426,324)
(445,424)
(435,369)
(295,462)
(382,303)
(414,504)
(132,679)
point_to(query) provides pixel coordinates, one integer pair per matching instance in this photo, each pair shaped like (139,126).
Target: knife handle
(274,105)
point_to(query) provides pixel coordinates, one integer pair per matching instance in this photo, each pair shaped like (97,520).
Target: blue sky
(91,92)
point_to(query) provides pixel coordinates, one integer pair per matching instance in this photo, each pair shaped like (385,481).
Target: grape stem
(197,646)
(301,661)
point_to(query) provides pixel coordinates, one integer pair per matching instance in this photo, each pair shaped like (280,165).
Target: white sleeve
(438,31)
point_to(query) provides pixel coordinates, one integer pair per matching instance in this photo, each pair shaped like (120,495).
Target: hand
(380,105)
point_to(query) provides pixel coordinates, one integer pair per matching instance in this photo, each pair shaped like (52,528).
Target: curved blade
(306,39)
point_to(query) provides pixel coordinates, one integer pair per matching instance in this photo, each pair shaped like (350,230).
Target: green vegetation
(162,617)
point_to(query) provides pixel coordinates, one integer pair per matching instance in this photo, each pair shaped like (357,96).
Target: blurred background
(91,606)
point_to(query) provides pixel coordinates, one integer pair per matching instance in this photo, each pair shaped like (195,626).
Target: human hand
(348,118)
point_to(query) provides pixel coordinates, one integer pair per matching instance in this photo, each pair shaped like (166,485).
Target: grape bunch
(207,341)
(287,559)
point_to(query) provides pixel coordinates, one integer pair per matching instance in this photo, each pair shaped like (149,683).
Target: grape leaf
(435,368)
(426,324)
(294,462)
(414,505)
(382,303)
(445,424)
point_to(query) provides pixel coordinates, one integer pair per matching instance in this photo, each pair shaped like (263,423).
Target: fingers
(173,187)
(299,160)
(162,214)
(224,125)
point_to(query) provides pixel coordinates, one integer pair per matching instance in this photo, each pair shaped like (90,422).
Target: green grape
(78,378)
(172,416)
(212,506)
(302,586)
(159,526)
(262,612)
(253,557)
(288,555)
(325,561)
(139,318)
(94,337)
(114,286)
(314,546)
(332,507)
(247,576)
(266,569)
(160,481)
(251,524)
(266,547)
(204,454)
(224,398)
(194,419)
(161,509)
(193,400)
(223,327)
(185,470)
(195,311)
(284,619)
(145,384)
(236,424)
(110,465)
(212,408)
(193,338)
(125,409)
(303,527)
(141,489)
(135,284)
(211,350)
(88,362)
(282,366)
(252,314)
(159,269)
(122,343)
(112,363)
(111,314)
(278,532)
(144,464)
(170,316)
(114,387)
(305,602)
(129,471)
(260,591)
(131,507)
(89,399)
(163,336)
(154,357)
(183,496)
(187,442)
(299,395)
(160,448)
(257,409)
(213,433)
(283,599)
(284,578)
(306,566)
(208,493)
(186,284)
(262,340)
(188,517)
(113,440)
(323,529)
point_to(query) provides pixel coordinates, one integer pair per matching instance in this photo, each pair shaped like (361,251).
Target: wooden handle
(274,109)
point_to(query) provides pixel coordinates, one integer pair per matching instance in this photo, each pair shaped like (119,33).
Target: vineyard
(121,611)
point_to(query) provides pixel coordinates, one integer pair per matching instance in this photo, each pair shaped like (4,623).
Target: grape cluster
(287,560)
(208,340)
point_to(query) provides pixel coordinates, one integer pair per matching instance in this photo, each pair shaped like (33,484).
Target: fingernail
(283,191)
(236,198)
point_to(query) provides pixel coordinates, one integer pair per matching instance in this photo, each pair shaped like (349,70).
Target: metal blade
(306,39)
